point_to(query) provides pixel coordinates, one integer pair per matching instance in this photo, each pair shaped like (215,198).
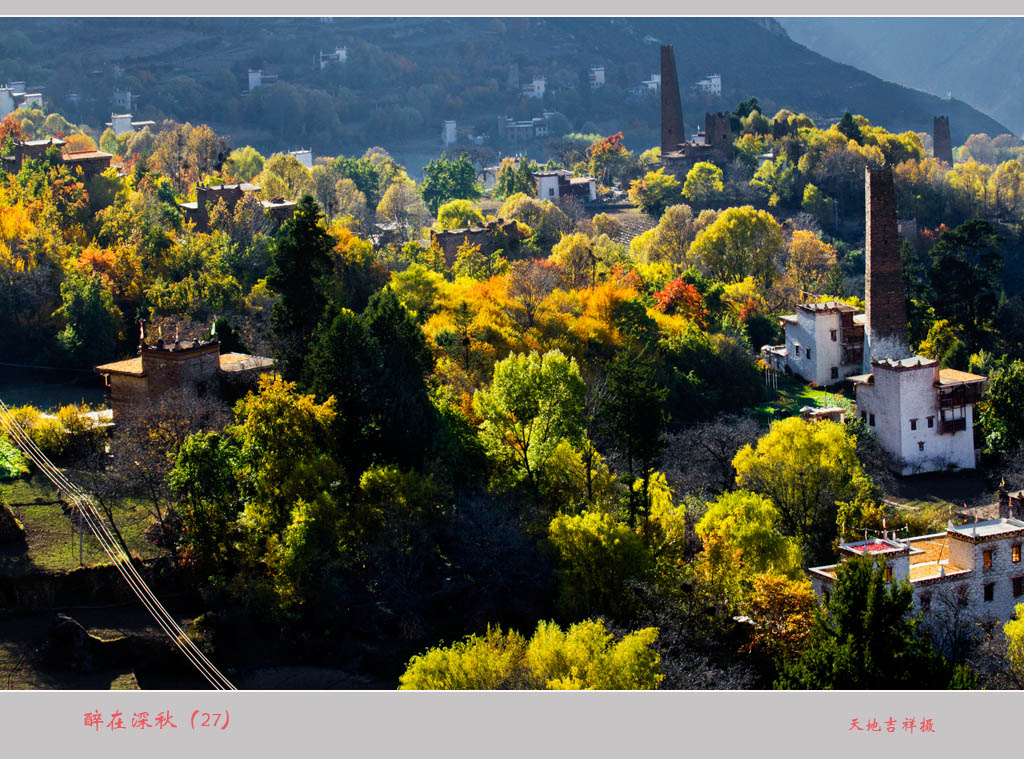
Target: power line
(120,558)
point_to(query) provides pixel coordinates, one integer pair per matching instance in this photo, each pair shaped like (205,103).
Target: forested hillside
(403,77)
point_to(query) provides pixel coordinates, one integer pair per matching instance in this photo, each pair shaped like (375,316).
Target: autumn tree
(514,177)
(810,262)
(741,242)
(670,240)
(457,214)
(782,611)
(244,163)
(284,454)
(283,176)
(1014,631)
(703,183)
(750,524)
(609,160)
(533,404)
(598,558)
(574,254)
(584,657)
(655,192)
(401,206)
(811,474)
(682,298)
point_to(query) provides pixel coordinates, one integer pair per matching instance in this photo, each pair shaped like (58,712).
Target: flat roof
(989,528)
(878,545)
(912,362)
(130,366)
(241,362)
(85,155)
(956,377)
(826,306)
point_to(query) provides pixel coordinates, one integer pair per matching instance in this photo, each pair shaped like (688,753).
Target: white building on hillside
(922,415)
(121,123)
(596,76)
(340,55)
(448,134)
(824,342)
(711,84)
(973,571)
(551,185)
(303,156)
(536,88)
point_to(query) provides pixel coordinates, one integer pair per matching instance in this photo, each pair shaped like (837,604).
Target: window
(990,591)
(931,422)
(835,372)
(1015,554)
(833,335)
(808,353)
(871,419)
(986,558)
(888,573)
(913,424)
(1018,587)
(926,601)
(551,191)
(920,445)
(864,416)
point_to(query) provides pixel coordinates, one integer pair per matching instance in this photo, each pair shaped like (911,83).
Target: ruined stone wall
(885,335)
(718,131)
(943,143)
(672,129)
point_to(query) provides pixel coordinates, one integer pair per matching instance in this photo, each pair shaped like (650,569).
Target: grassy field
(792,396)
(48,531)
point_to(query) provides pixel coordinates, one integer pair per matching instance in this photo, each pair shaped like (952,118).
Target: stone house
(207,196)
(973,570)
(922,415)
(192,366)
(92,162)
(494,235)
(552,185)
(823,344)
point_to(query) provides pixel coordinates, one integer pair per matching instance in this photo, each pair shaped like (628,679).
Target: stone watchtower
(718,133)
(672,130)
(942,147)
(885,335)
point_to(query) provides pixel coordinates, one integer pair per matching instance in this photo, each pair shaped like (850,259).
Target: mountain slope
(405,76)
(980,60)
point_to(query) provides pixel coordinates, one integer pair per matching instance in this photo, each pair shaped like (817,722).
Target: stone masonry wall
(942,142)
(672,129)
(886,332)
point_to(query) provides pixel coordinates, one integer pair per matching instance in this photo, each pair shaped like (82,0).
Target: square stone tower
(942,147)
(885,334)
(672,130)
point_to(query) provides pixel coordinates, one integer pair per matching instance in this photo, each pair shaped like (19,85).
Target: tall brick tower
(885,334)
(942,147)
(672,130)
